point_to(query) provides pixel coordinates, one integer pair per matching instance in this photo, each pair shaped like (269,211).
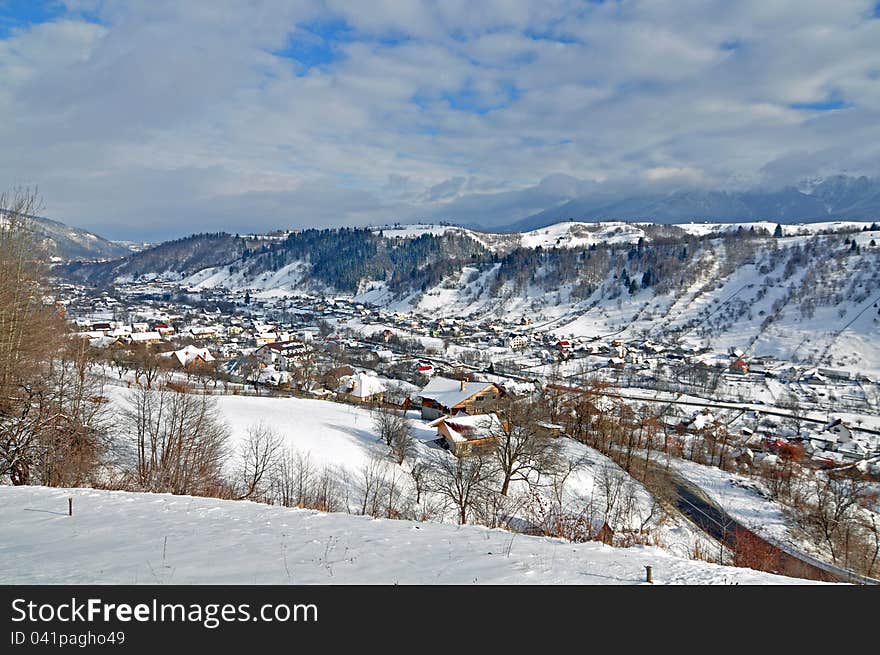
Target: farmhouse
(447,396)
(465,434)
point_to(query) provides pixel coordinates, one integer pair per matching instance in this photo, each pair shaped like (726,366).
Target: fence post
(649,575)
(70,505)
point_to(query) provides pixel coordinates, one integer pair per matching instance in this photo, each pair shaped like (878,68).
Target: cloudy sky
(153,119)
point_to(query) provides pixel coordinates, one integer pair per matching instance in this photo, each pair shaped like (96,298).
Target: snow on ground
(341,437)
(702,229)
(576,234)
(118,537)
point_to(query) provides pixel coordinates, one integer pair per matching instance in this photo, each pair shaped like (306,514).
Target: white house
(361,387)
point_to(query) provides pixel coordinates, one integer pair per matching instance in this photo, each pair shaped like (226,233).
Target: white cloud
(170,117)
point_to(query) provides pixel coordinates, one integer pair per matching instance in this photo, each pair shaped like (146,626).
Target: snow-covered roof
(701,420)
(464,428)
(449,393)
(146,336)
(188,354)
(361,385)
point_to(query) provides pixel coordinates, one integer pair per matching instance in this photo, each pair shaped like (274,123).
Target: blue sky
(155,118)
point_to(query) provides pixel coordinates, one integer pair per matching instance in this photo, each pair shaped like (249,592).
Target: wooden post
(649,575)
(70,505)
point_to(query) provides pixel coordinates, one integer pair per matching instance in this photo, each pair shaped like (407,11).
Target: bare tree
(258,456)
(292,479)
(420,476)
(146,364)
(464,481)
(49,408)
(395,429)
(180,441)
(522,446)
(836,497)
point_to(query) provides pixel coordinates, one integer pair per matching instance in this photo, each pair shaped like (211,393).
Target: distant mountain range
(835,198)
(71,243)
(838,198)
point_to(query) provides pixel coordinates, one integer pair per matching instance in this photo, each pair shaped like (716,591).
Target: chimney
(462,385)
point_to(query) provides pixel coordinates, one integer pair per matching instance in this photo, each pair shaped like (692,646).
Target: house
(384,354)
(447,396)
(425,369)
(333,376)
(271,377)
(361,388)
(144,337)
(190,356)
(263,338)
(282,354)
(839,429)
(545,429)
(813,377)
(464,435)
(518,342)
(163,328)
(203,332)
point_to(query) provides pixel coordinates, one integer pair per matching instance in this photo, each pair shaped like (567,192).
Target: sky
(155,119)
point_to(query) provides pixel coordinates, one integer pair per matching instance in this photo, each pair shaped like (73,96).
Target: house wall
(474,406)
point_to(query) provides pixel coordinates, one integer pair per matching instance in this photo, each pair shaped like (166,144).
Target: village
(442,370)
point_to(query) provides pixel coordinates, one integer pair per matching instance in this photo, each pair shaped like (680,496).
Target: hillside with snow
(338,444)
(117,537)
(809,294)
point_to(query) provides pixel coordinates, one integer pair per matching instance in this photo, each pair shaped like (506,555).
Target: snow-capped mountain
(63,242)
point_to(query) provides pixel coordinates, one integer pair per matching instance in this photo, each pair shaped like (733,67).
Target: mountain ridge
(836,198)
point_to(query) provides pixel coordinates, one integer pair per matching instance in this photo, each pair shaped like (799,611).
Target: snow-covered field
(341,438)
(128,538)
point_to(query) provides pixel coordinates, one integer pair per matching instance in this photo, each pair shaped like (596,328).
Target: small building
(545,429)
(465,435)
(282,355)
(518,342)
(144,337)
(163,329)
(361,388)
(333,376)
(447,396)
(190,356)
(839,429)
(203,331)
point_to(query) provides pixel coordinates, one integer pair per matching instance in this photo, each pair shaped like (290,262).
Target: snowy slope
(128,538)
(340,439)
